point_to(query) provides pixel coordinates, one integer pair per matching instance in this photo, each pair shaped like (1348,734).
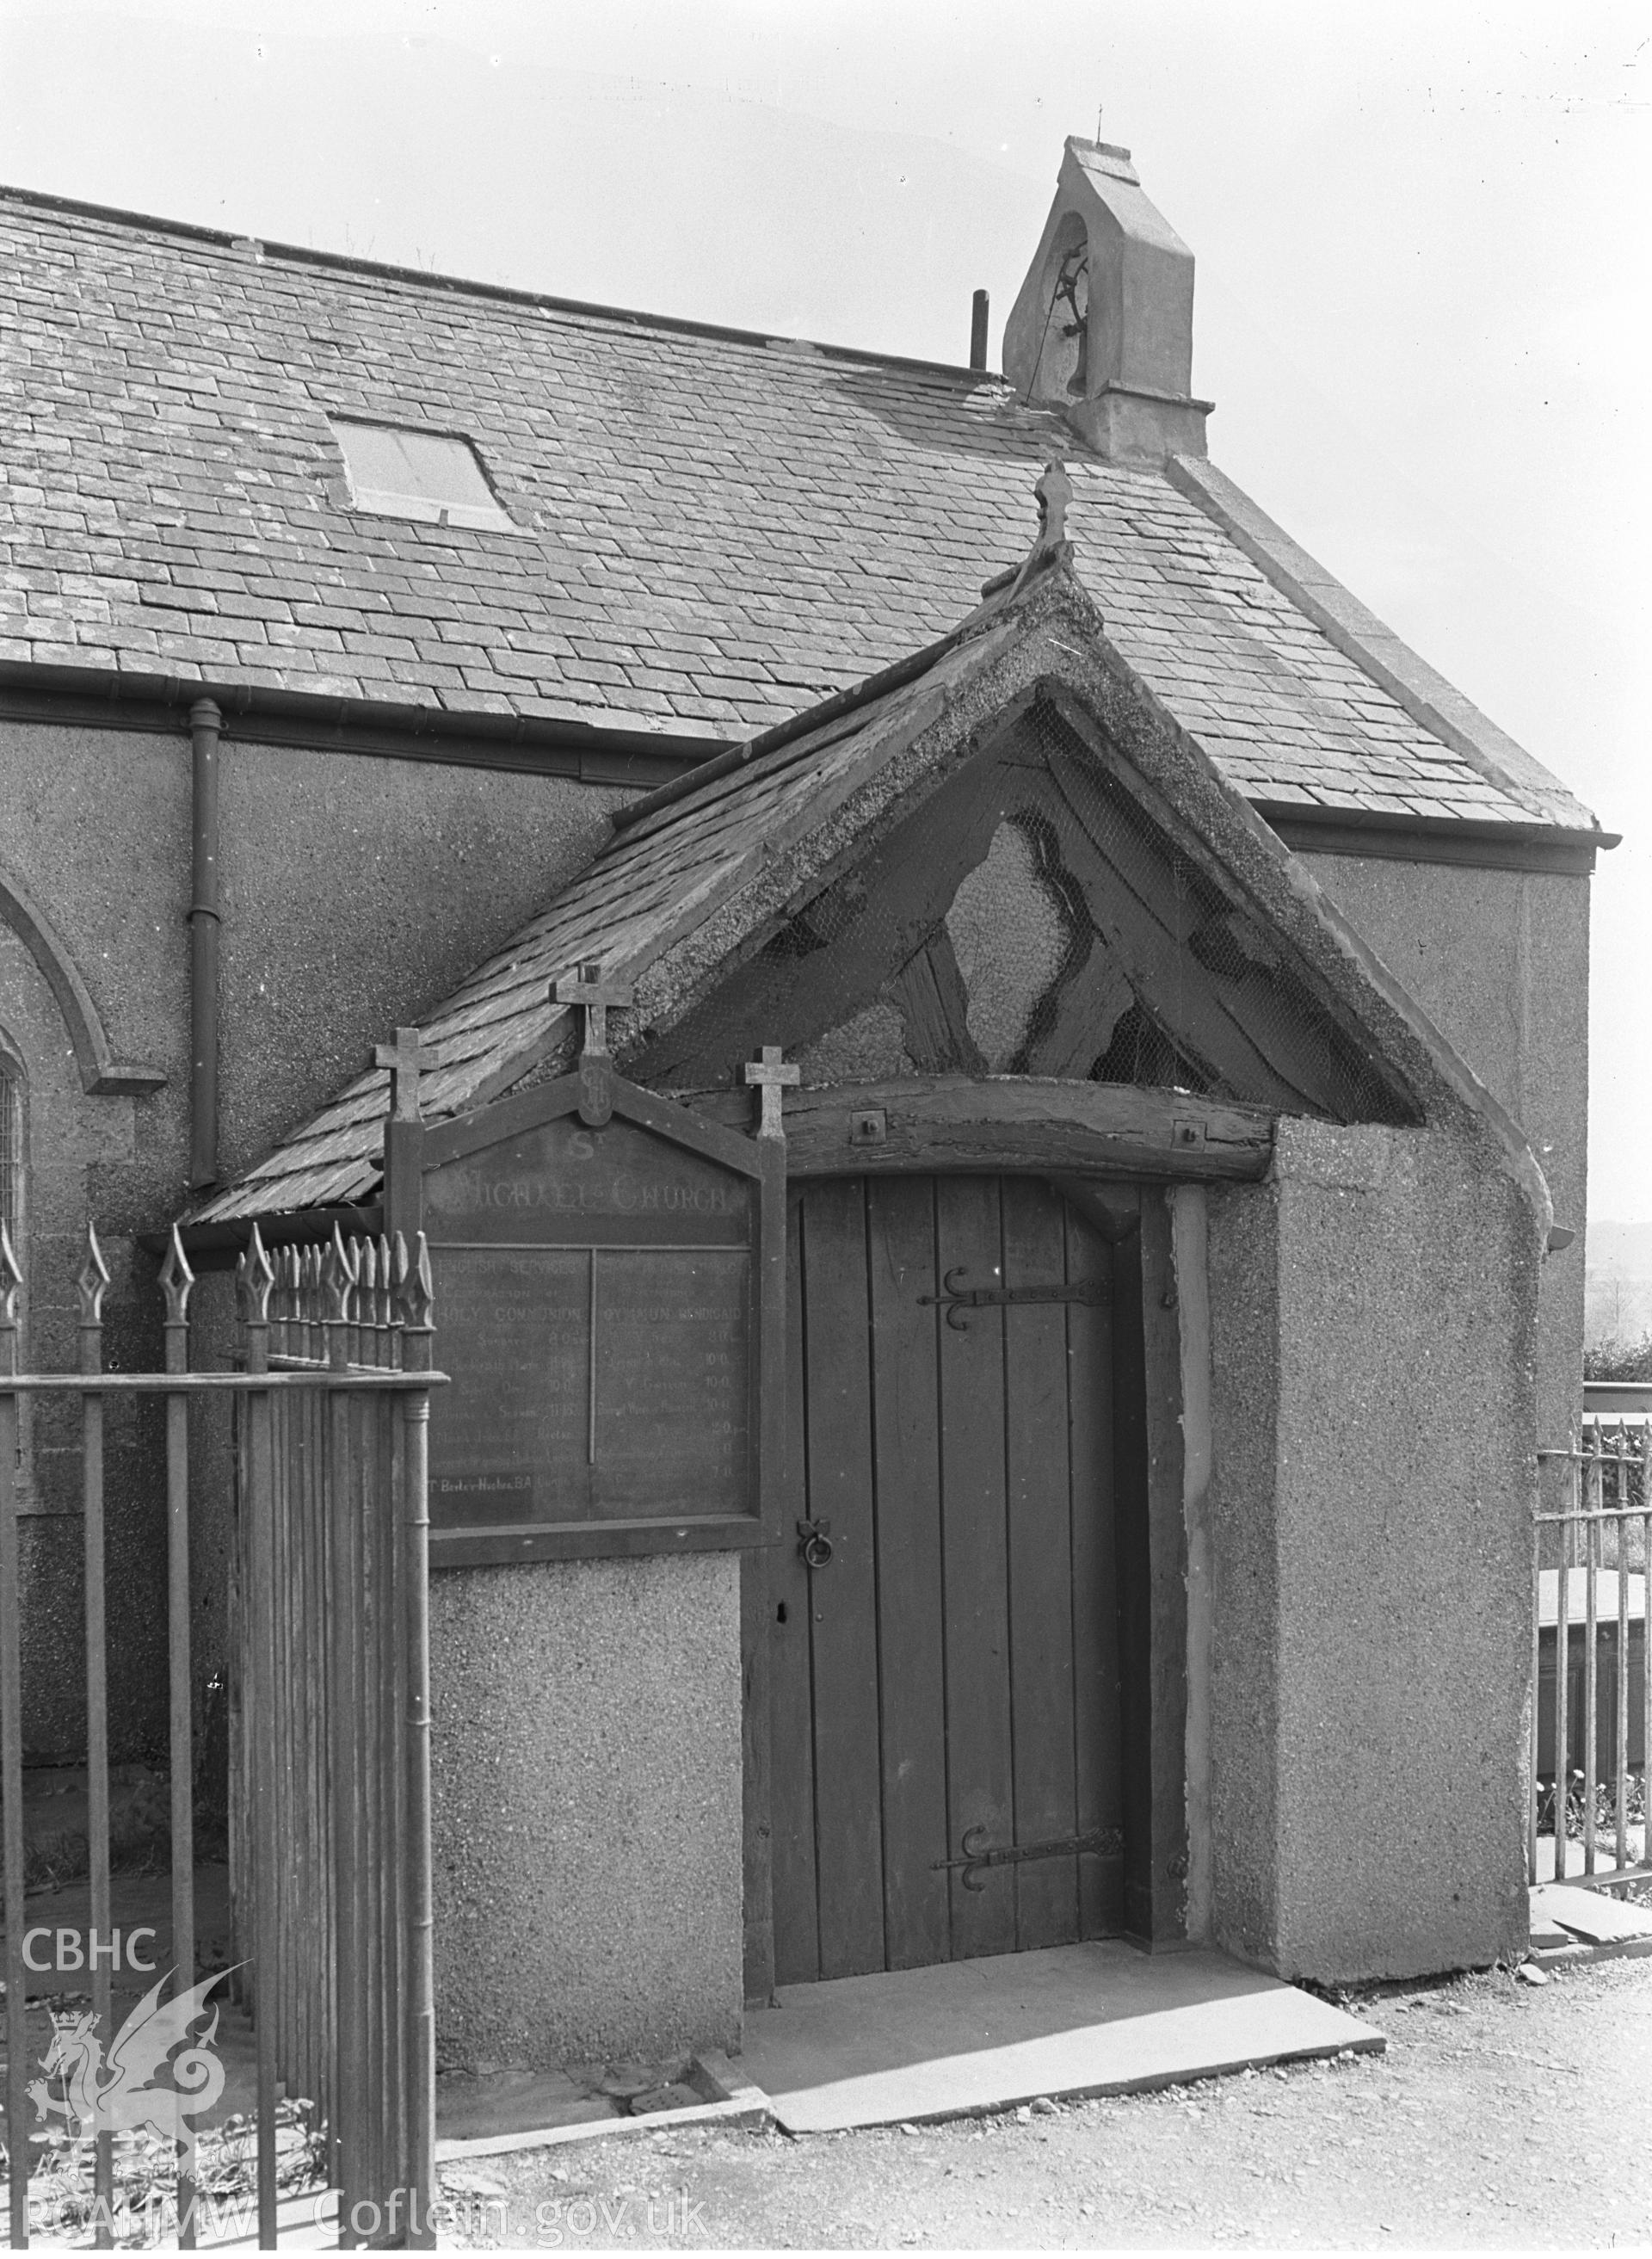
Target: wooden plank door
(954,1666)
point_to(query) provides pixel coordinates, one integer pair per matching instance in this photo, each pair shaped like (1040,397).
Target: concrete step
(974,2037)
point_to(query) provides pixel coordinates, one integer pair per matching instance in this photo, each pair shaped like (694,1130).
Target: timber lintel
(1013,1121)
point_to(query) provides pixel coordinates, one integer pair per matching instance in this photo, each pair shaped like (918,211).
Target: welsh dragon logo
(107,2096)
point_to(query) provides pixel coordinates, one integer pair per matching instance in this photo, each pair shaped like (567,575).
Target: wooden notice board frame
(414,1150)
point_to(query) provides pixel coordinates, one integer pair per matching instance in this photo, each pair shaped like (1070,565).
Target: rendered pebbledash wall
(1373,1316)
(1499,961)
(587,1801)
(356,890)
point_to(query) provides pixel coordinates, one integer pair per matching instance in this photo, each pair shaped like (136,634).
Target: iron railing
(330,1759)
(1592,1692)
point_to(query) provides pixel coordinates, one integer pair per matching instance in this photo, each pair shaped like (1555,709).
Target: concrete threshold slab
(1588,1914)
(734,2102)
(1569,1925)
(973,2036)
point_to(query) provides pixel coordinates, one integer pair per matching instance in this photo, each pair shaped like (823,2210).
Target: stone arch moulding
(102,1074)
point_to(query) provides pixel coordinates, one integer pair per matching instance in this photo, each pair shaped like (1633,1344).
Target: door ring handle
(814,1543)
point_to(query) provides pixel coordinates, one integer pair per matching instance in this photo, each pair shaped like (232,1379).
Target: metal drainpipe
(205,721)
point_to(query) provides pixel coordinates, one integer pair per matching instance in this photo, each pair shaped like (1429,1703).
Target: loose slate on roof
(711,531)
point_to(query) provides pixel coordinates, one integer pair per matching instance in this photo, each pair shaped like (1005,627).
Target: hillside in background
(1617,1286)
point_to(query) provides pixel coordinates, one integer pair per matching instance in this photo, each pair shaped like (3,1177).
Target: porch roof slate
(713,529)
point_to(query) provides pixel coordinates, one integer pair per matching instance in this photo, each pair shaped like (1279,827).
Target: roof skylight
(434,476)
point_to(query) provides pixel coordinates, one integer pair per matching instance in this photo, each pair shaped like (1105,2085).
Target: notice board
(609,1309)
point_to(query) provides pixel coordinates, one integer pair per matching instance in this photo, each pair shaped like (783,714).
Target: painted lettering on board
(595,1289)
(562,1175)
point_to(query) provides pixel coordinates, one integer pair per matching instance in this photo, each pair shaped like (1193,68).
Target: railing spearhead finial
(92,1284)
(255,1277)
(414,1294)
(338,1276)
(176,1280)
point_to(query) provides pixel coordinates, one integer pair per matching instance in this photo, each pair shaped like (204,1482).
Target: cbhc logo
(71,1949)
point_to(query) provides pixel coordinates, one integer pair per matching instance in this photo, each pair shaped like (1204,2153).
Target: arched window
(14,1131)
(13,1139)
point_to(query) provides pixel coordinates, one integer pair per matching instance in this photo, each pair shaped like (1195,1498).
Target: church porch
(1034,964)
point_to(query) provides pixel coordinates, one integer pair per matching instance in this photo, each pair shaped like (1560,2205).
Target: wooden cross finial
(402,1058)
(1054,491)
(587,988)
(769,1074)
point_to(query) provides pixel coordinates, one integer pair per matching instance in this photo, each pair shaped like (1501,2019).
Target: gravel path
(1502,2114)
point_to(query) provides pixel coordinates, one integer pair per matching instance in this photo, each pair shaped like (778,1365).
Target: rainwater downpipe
(205,721)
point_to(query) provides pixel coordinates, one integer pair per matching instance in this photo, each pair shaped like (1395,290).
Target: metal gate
(1591,1694)
(330,1749)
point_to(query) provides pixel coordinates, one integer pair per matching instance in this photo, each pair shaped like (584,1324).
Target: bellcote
(1103,326)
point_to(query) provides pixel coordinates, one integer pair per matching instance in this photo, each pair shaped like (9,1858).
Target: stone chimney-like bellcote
(1103,327)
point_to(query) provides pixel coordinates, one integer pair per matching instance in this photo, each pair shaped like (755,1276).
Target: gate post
(90,1287)
(11,1757)
(415,1298)
(176,1281)
(255,1278)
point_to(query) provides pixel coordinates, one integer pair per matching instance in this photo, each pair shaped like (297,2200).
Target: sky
(1421,234)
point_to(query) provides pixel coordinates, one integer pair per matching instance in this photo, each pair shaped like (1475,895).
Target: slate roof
(713,529)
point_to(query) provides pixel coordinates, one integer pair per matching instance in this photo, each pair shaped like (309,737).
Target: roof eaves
(1413,824)
(123,698)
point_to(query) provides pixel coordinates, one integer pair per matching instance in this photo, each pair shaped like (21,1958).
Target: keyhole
(780,1613)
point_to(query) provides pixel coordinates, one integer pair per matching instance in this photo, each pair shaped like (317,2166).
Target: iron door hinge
(959,1298)
(1104,1842)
